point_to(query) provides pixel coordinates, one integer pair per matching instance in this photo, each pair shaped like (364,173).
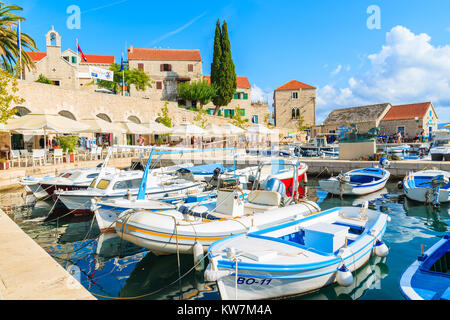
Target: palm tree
(9,49)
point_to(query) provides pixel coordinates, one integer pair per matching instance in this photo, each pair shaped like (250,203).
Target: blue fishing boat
(428,278)
(356,182)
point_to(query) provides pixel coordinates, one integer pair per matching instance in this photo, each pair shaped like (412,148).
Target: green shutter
(242,112)
(220,113)
(236,96)
(211,111)
(227,111)
(245,96)
(231,113)
(74,59)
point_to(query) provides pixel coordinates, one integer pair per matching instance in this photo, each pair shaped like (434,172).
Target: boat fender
(384,162)
(400,185)
(198,251)
(344,277)
(214,275)
(93,205)
(381,249)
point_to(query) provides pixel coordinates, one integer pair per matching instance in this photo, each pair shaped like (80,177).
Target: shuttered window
(190,68)
(158,85)
(245,96)
(141,66)
(166,67)
(236,96)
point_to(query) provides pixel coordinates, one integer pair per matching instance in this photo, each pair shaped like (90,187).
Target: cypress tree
(225,79)
(217,57)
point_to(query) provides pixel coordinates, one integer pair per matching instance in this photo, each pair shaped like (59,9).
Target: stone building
(410,119)
(365,117)
(167,68)
(292,101)
(66,69)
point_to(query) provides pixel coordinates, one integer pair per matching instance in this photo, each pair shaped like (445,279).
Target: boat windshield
(127,184)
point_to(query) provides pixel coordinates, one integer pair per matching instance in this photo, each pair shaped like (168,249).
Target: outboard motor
(185,174)
(437,183)
(214,181)
(275,185)
(384,162)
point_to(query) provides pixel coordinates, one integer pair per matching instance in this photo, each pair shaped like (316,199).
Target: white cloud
(337,70)
(407,69)
(260,95)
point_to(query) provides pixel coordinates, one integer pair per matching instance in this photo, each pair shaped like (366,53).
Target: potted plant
(69,144)
(4,164)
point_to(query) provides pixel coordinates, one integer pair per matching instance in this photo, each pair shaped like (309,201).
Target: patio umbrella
(187,129)
(215,130)
(259,129)
(156,128)
(231,129)
(133,128)
(49,123)
(97,125)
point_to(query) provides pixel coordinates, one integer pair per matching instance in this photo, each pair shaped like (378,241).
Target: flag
(82,54)
(122,66)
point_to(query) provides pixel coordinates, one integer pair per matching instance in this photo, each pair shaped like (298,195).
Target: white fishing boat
(126,185)
(428,186)
(356,182)
(399,149)
(194,226)
(297,257)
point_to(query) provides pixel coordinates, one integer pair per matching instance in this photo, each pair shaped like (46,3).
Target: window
(103,184)
(55,83)
(92,176)
(66,58)
(74,59)
(166,67)
(293,114)
(141,66)
(294,95)
(402,130)
(297,114)
(190,68)
(245,96)
(158,85)
(255,119)
(242,112)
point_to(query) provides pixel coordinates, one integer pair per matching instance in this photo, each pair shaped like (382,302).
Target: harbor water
(111,268)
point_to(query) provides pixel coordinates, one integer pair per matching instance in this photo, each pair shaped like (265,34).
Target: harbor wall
(28,272)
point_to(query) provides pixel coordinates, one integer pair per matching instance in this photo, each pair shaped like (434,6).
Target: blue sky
(325,43)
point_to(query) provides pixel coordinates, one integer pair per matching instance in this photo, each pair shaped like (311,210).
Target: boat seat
(265,198)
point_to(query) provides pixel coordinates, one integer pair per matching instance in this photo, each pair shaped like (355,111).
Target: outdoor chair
(57,156)
(38,155)
(15,157)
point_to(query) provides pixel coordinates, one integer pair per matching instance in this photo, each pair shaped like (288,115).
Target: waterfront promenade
(27,272)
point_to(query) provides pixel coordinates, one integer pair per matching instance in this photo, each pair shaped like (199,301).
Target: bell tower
(53,40)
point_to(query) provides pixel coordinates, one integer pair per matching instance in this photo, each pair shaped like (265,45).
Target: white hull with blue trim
(356,182)
(297,257)
(418,186)
(428,277)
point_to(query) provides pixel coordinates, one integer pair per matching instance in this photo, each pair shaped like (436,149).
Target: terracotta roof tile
(408,111)
(241,82)
(36,56)
(96,58)
(91,58)
(164,54)
(294,85)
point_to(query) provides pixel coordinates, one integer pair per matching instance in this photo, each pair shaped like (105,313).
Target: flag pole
(19,37)
(123,77)
(78,66)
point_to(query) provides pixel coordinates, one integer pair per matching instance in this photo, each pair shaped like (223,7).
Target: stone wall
(284,103)
(83,104)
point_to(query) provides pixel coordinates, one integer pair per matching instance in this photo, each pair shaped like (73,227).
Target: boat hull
(419,283)
(157,232)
